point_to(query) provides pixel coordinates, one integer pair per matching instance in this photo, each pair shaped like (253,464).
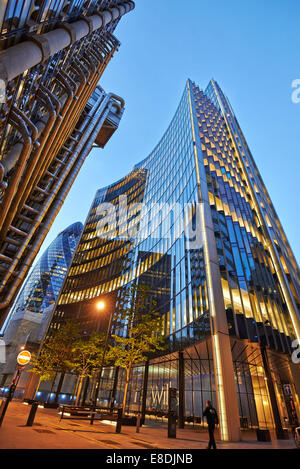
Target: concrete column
(223,364)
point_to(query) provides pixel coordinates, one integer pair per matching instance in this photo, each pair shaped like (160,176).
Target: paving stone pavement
(48,432)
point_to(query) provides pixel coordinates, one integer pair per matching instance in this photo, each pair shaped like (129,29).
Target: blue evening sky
(251,47)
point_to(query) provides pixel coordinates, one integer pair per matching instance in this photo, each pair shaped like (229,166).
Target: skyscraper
(52,57)
(194,222)
(31,312)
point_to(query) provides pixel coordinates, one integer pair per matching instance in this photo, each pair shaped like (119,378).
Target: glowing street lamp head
(100,305)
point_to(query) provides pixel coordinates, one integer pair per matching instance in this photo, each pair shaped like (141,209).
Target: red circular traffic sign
(24,357)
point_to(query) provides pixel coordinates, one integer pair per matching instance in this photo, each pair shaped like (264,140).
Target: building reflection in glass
(229,301)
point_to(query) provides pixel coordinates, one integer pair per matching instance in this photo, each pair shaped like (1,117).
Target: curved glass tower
(43,284)
(195,223)
(46,278)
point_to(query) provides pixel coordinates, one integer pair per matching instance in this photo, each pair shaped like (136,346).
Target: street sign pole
(22,359)
(11,392)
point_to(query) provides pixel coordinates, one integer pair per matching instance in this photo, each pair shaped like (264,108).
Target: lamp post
(100,306)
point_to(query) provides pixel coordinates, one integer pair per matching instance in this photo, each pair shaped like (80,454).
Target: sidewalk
(49,433)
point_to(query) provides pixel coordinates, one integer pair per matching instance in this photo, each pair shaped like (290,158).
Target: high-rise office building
(52,55)
(31,312)
(194,222)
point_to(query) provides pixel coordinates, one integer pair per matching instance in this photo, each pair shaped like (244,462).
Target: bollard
(172,414)
(3,409)
(138,423)
(32,413)
(62,413)
(172,425)
(93,413)
(119,421)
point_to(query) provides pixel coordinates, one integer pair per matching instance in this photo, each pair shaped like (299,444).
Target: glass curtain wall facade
(53,54)
(42,286)
(31,312)
(207,241)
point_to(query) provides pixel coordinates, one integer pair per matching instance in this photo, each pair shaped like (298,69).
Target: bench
(102,413)
(86,413)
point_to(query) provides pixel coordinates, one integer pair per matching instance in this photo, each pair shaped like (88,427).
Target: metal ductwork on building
(17,59)
(51,63)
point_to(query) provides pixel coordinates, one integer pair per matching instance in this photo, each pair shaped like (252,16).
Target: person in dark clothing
(212,420)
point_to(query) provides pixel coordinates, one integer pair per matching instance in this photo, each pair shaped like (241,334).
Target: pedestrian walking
(212,420)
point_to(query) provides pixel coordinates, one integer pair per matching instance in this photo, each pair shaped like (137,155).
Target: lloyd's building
(194,222)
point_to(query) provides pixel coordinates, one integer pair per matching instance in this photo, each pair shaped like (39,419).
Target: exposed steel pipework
(63,83)
(62,78)
(87,60)
(45,92)
(121,101)
(86,79)
(64,185)
(36,131)
(6,209)
(62,129)
(70,96)
(20,124)
(3,184)
(75,114)
(78,70)
(15,60)
(51,155)
(22,115)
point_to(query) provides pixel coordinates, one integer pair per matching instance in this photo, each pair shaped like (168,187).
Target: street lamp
(100,305)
